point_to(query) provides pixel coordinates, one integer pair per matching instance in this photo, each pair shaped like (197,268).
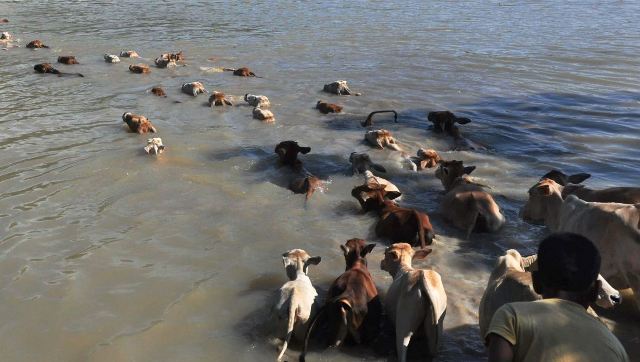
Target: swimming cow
(48,68)
(67,59)
(36,44)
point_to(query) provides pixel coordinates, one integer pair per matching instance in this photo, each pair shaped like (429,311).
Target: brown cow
(445,121)
(36,44)
(382,138)
(466,204)
(305,184)
(287,152)
(241,72)
(68,59)
(399,224)
(427,159)
(129,54)
(48,68)
(138,123)
(139,68)
(218,99)
(158,91)
(327,108)
(352,307)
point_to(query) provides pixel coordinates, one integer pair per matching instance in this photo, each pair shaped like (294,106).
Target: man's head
(568,267)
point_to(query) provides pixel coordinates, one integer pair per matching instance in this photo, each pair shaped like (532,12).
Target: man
(556,328)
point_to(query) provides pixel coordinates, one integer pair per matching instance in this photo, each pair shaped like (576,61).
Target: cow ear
(421,254)
(305,150)
(463,120)
(392,195)
(345,250)
(578,178)
(314,260)
(367,249)
(469,169)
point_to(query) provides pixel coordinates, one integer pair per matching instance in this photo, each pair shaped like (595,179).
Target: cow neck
(399,270)
(553,212)
(360,263)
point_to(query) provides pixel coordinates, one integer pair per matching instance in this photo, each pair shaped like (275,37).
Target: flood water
(108,254)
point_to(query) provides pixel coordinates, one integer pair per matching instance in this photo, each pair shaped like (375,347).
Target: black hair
(568,262)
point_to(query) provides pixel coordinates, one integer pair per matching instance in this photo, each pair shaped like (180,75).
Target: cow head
(563,179)
(445,121)
(449,171)
(401,255)
(372,197)
(361,162)
(427,158)
(287,152)
(355,250)
(297,261)
(543,203)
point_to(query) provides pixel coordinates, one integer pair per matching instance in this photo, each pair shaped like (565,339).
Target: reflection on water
(108,254)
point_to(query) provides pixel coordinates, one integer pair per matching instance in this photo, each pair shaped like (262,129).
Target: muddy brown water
(107,254)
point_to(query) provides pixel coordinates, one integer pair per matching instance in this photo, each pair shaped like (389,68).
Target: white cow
(415,297)
(614,229)
(297,296)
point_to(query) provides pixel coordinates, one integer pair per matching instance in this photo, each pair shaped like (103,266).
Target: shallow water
(109,254)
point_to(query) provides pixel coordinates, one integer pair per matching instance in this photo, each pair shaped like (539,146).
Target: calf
(510,281)
(111,58)
(416,298)
(193,88)
(158,91)
(168,59)
(326,108)
(613,227)
(129,54)
(297,296)
(218,99)
(68,59)
(427,159)
(382,138)
(257,100)
(396,223)
(287,152)
(352,307)
(139,68)
(445,121)
(339,87)
(361,162)
(264,115)
(306,184)
(154,146)
(375,182)
(466,204)
(138,123)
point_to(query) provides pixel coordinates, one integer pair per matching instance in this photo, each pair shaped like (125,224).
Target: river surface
(108,254)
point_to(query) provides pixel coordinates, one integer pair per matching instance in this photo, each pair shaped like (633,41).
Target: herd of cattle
(415,303)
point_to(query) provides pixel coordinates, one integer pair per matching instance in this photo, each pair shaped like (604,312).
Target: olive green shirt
(555,330)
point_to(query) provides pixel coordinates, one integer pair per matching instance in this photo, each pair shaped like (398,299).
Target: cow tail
(290,323)
(423,243)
